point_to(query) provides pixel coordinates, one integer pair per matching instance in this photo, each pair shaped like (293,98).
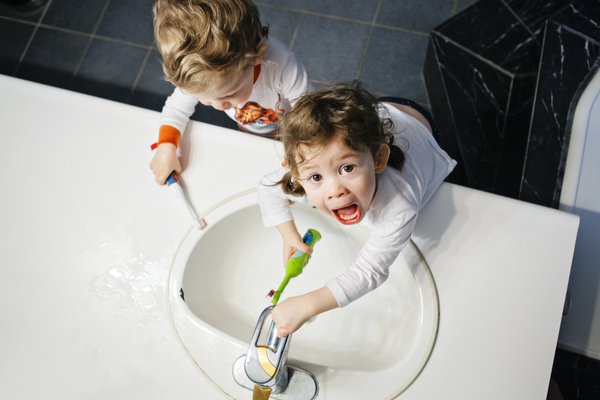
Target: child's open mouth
(348,215)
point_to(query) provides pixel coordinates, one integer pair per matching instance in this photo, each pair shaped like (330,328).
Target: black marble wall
(571,55)
(481,72)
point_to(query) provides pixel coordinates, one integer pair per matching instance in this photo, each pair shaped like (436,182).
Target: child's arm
(292,313)
(173,120)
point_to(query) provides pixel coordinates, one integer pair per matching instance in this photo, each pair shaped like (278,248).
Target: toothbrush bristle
(271,293)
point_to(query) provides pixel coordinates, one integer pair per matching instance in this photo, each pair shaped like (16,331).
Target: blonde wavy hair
(206,42)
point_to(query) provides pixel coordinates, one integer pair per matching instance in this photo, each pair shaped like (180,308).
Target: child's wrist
(166,147)
(168,134)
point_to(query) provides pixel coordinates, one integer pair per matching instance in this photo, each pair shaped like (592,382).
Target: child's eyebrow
(348,154)
(307,165)
(302,168)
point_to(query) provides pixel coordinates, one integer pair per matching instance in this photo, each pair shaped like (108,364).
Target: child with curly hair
(359,161)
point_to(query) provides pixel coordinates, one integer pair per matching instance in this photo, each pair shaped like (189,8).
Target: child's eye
(347,169)
(315,178)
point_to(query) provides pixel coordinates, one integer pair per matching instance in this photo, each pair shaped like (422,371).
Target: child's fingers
(281,333)
(303,247)
(161,179)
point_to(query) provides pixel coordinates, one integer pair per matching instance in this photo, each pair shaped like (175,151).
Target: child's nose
(337,189)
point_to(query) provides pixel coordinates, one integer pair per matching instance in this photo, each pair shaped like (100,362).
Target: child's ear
(381,158)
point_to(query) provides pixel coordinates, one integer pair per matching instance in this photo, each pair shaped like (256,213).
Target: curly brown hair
(343,111)
(206,42)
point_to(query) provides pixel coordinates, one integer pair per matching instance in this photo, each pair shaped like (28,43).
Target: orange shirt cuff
(168,134)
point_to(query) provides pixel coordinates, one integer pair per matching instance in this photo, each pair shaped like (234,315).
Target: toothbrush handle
(296,263)
(175,186)
(172,179)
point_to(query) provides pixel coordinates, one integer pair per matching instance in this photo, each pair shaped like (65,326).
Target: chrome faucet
(266,366)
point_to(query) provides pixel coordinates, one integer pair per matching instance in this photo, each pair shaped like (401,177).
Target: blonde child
(216,52)
(361,162)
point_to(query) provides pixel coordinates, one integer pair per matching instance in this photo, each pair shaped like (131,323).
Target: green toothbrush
(296,263)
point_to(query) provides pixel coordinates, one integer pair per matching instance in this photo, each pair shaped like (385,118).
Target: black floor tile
(282,23)
(359,10)
(12,49)
(393,64)
(109,70)
(152,90)
(330,49)
(214,117)
(31,16)
(295,4)
(77,15)
(461,5)
(52,57)
(413,14)
(128,20)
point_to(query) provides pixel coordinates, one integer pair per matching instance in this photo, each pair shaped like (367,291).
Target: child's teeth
(348,217)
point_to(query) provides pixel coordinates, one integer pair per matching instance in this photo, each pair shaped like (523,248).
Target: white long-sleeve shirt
(282,80)
(393,213)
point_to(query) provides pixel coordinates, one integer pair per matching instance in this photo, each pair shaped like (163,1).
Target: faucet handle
(264,361)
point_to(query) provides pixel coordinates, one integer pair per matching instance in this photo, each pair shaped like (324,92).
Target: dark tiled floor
(105,48)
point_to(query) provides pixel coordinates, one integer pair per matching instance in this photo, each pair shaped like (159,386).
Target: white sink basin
(227,269)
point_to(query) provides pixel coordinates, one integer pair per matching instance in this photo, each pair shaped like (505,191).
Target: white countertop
(80,206)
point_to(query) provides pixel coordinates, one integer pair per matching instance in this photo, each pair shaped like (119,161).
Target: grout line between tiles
(298,24)
(139,75)
(394,28)
(320,82)
(258,3)
(453,9)
(364,54)
(37,25)
(18,20)
(304,11)
(89,43)
(78,33)
(114,40)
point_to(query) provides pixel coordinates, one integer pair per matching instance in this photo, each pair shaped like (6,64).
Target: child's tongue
(347,210)
(347,213)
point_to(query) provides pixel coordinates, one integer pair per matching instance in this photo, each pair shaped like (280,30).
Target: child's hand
(290,315)
(164,162)
(292,241)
